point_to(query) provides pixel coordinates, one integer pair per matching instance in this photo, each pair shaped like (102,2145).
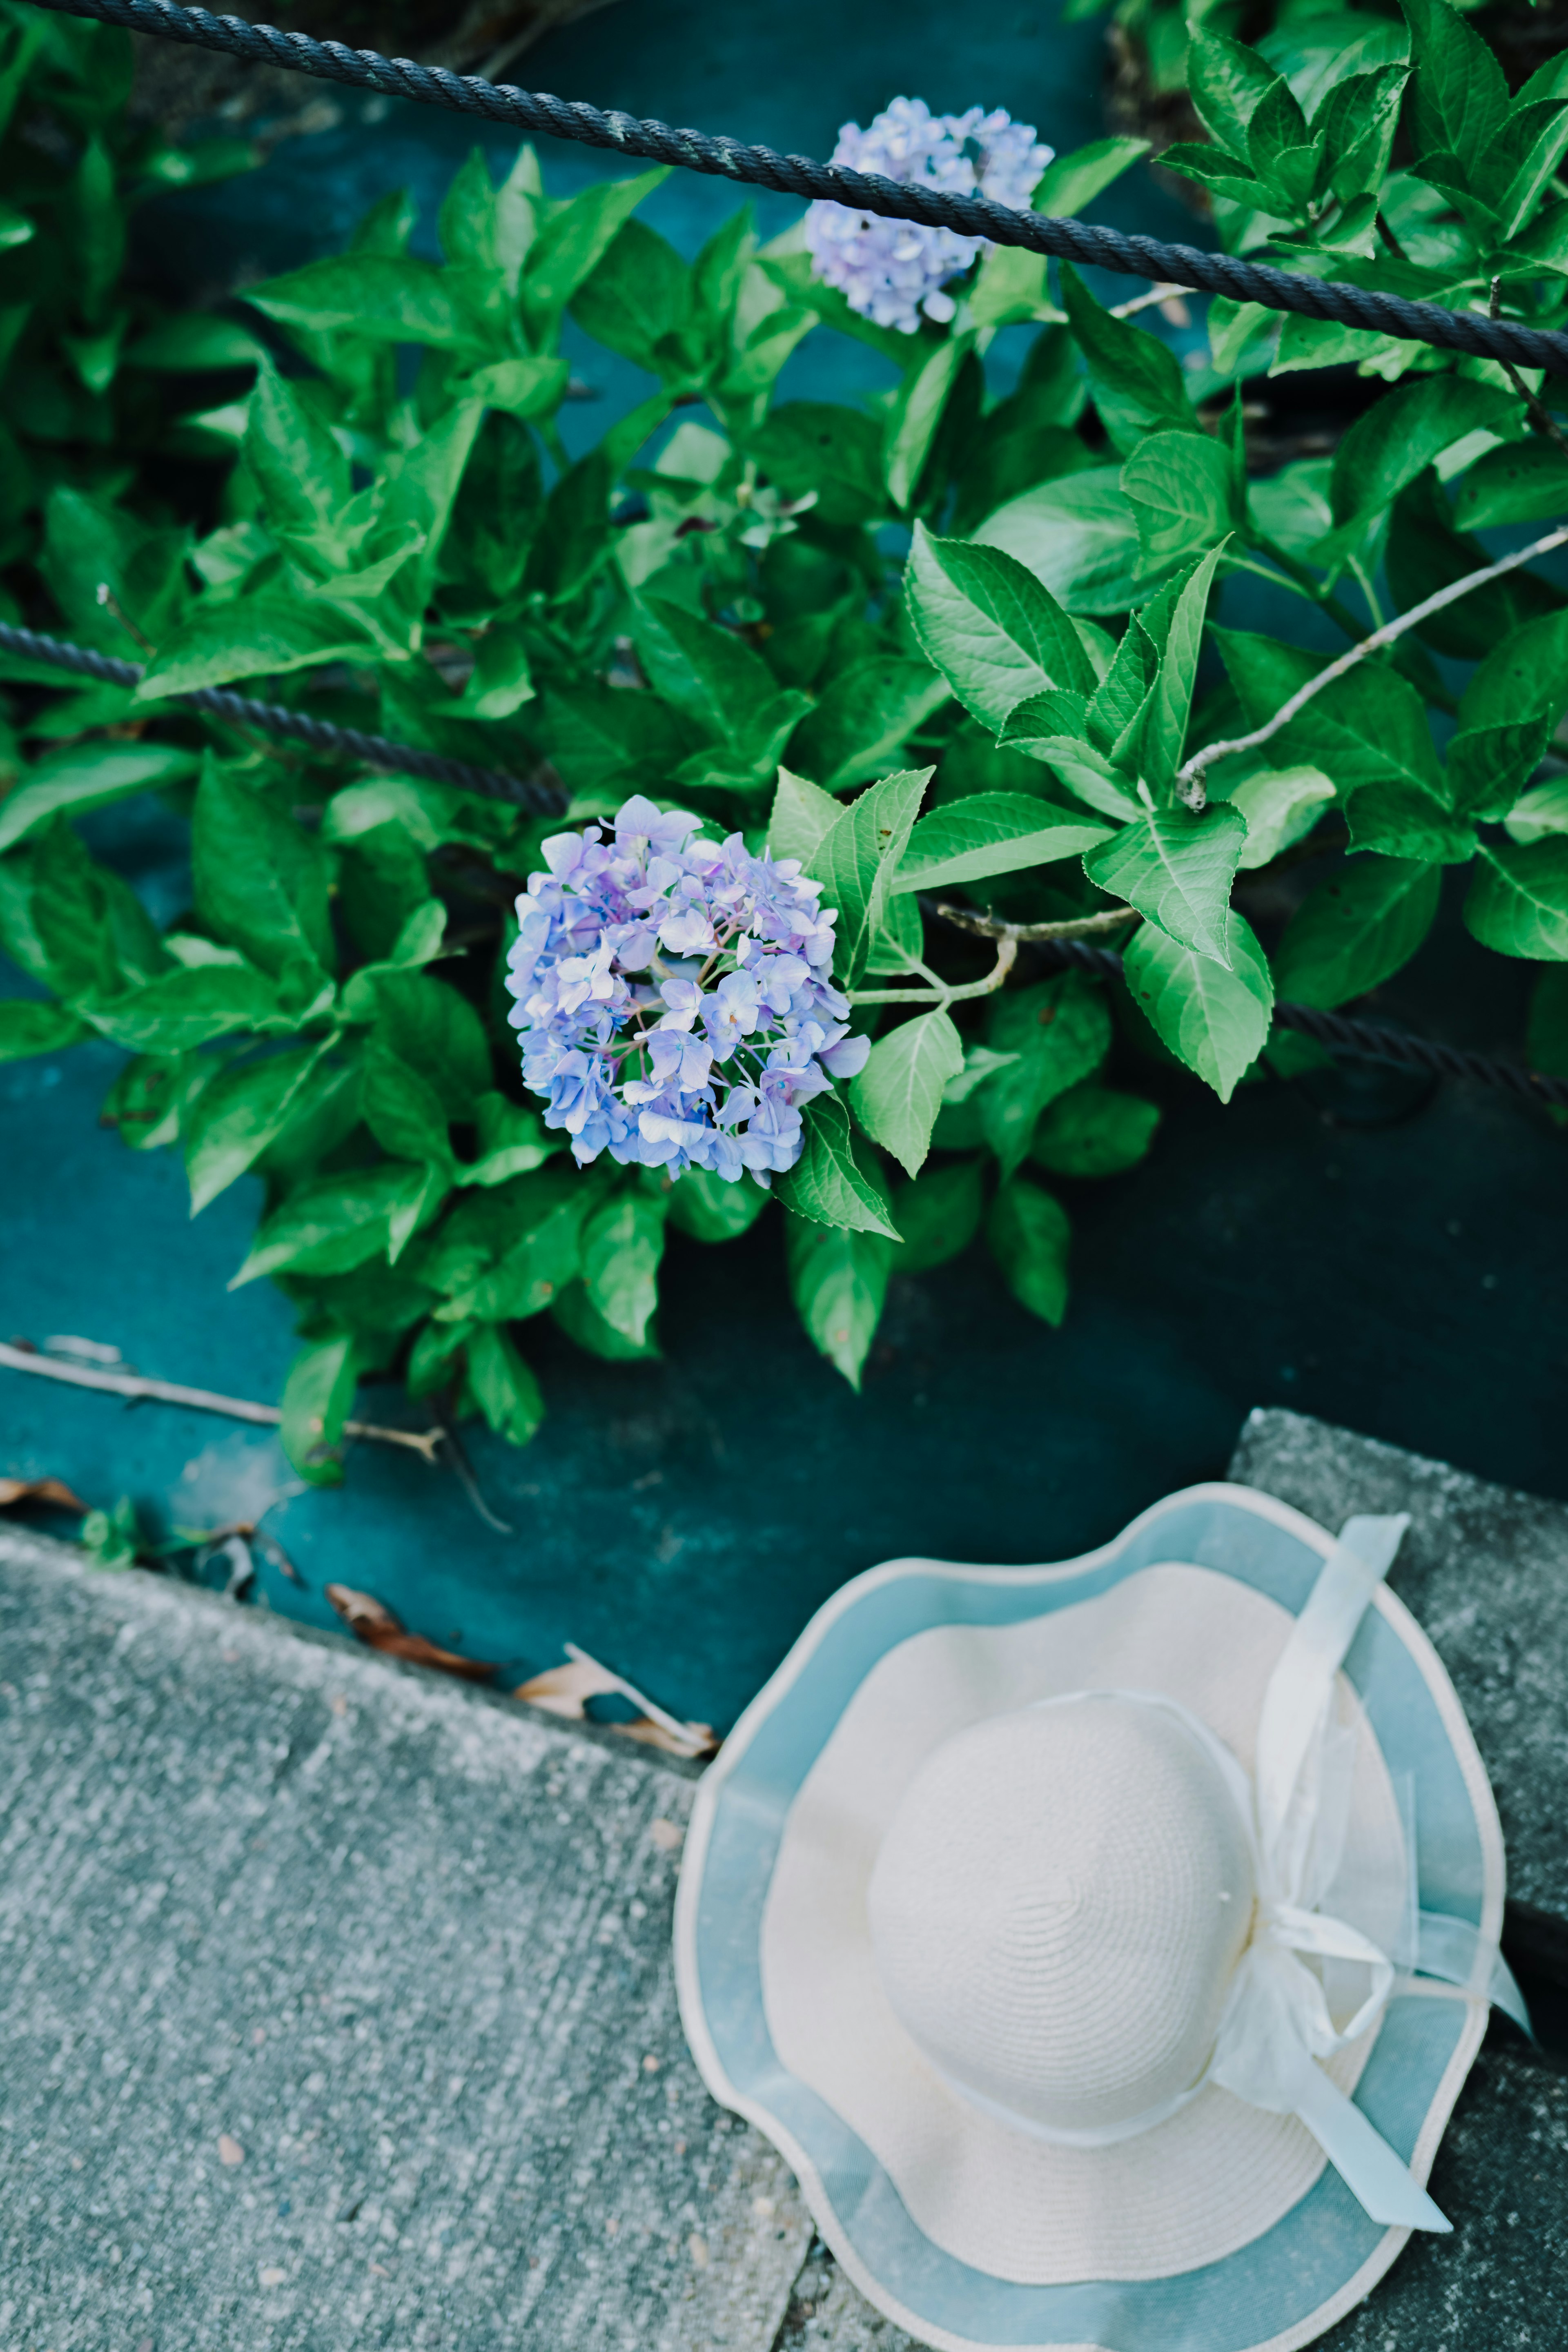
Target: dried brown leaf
(51,1492)
(566,1691)
(378,1629)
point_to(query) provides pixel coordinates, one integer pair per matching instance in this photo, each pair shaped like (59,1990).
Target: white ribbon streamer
(1277,2023)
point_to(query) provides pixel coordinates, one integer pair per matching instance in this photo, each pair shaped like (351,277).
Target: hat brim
(1294,2279)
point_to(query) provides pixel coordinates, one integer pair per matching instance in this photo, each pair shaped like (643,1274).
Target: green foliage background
(942,646)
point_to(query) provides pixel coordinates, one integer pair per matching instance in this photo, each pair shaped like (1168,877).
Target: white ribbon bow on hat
(1277,2024)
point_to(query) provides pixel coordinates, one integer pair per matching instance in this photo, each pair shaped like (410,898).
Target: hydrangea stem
(1006,956)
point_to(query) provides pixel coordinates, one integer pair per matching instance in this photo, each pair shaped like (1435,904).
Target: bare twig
(1189,781)
(1158,294)
(457,1455)
(992,927)
(132,1385)
(1006,956)
(1541,417)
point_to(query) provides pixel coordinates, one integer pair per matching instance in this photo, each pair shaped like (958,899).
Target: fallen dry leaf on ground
(375,1625)
(51,1492)
(566,1690)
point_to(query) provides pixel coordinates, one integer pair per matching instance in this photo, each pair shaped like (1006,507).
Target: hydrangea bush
(847,707)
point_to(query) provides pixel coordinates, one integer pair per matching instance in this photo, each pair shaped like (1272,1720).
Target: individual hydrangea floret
(674,996)
(891,271)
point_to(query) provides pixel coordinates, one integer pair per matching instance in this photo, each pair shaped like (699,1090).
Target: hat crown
(1058,1907)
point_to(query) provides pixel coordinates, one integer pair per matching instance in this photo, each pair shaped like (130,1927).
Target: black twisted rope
(1366,1040)
(276,719)
(696,151)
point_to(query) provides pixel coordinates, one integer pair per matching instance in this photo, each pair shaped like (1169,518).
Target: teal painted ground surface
(683,1520)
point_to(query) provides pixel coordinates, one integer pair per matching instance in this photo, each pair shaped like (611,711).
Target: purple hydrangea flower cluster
(891,271)
(674,996)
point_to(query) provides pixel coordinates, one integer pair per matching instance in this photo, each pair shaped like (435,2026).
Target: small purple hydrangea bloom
(891,271)
(674,996)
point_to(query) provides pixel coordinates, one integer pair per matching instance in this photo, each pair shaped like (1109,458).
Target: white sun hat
(1105,1945)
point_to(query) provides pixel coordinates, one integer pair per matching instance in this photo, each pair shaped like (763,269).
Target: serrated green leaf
(1078,536)
(402,1109)
(1094,1130)
(1519,481)
(897,1094)
(1180,485)
(623,1243)
(331,1223)
(857,859)
(1461,97)
(1395,820)
(262,880)
(502,1386)
(1030,1238)
(261,635)
(916,413)
(181,1010)
(1540,814)
(574,240)
(1398,438)
(1280,805)
(1177,870)
(318,1397)
(988,625)
(1518,902)
(938,1215)
(990,833)
(1524,678)
(1053,1035)
(863,719)
(838,1279)
(1214,1017)
(385,298)
(86,776)
(702,1205)
(27,1027)
(1136,379)
(1355,930)
(237,1114)
(802,814)
(436,1031)
(826,1185)
(1228,82)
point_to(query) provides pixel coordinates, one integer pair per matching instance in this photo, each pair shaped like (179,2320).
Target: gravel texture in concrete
(336,2007)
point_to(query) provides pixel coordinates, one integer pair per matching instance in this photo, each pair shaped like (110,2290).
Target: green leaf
(1175,625)
(1460,99)
(254,635)
(502,1386)
(318,1397)
(1030,1238)
(1395,820)
(582,1322)
(297,463)
(384,296)
(990,833)
(331,1223)
(1519,481)
(575,238)
(709,672)
(505,1255)
(1093,1130)
(826,1185)
(89,545)
(638,295)
(915,415)
(1518,902)
(89,775)
(1540,814)
(1181,487)
(573,538)
(1214,1019)
(238,1115)
(994,632)
(863,719)
(897,1094)
(622,1245)
(437,1032)
(1524,678)
(703,1206)
(1280,807)
(1355,930)
(802,814)
(938,1215)
(27,1027)
(1136,379)
(1366,727)
(1055,1034)
(1227,80)
(185,1009)
(1400,435)
(1055,727)
(1075,180)
(838,1280)
(260,878)
(857,859)
(1078,536)
(1176,869)
(807,446)
(403,1109)
(513,1142)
